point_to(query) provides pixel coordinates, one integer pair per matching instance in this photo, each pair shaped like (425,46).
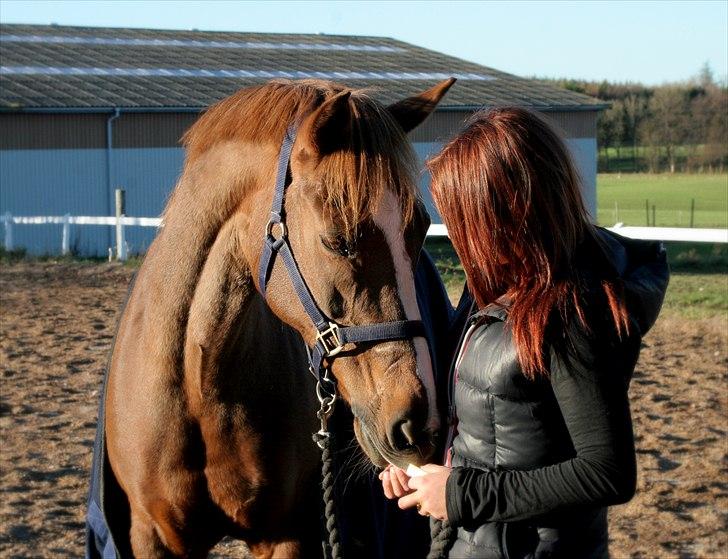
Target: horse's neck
(197,291)
(223,292)
(198,240)
(233,339)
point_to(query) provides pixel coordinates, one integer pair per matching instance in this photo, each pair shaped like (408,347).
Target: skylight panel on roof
(190,43)
(216,73)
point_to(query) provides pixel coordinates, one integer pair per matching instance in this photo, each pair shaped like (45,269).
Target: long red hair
(509,194)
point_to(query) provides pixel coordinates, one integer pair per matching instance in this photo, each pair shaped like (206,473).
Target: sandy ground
(57,323)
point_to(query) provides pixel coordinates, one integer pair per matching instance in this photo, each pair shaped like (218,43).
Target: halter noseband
(331,337)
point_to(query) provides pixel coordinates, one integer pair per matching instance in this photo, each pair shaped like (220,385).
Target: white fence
(672,234)
(436,230)
(66,221)
(648,233)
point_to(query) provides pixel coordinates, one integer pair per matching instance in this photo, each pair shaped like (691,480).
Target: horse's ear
(328,128)
(412,111)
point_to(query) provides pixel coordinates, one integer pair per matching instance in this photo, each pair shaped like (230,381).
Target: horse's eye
(340,245)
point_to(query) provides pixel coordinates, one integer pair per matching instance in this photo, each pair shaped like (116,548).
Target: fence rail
(120,222)
(83,220)
(435,230)
(672,234)
(647,233)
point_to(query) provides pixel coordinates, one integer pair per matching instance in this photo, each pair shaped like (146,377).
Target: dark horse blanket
(370,525)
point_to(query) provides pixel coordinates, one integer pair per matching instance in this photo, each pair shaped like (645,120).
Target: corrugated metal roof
(58,67)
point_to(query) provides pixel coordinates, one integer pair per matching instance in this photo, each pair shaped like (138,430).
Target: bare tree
(666,129)
(609,129)
(715,107)
(635,108)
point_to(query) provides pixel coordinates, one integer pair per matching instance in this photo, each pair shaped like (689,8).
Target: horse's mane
(375,157)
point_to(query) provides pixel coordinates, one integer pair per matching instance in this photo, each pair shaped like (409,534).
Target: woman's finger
(409,501)
(387,485)
(403,478)
(397,486)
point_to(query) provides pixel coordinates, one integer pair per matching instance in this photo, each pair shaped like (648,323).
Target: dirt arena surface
(57,323)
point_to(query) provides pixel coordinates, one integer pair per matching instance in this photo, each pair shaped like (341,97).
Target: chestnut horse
(209,406)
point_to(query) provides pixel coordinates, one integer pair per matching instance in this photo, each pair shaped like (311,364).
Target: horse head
(355,225)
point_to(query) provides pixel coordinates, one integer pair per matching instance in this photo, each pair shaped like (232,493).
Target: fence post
(120,233)
(66,237)
(8,231)
(647,211)
(616,212)
(692,211)
(654,222)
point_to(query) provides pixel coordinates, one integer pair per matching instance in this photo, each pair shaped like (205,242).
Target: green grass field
(621,198)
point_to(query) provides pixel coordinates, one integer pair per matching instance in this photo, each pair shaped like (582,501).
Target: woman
(541,436)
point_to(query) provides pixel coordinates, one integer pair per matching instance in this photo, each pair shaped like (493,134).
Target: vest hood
(642,267)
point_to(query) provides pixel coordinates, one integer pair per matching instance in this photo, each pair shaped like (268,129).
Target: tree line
(677,127)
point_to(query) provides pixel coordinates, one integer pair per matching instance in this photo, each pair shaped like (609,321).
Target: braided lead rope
(327,396)
(327,486)
(441,538)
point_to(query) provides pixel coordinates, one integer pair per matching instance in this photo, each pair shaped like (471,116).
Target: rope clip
(327,401)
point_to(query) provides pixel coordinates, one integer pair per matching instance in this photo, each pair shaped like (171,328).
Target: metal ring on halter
(328,379)
(324,398)
(269,229)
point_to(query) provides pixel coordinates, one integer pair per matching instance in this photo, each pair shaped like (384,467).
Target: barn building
(84,111)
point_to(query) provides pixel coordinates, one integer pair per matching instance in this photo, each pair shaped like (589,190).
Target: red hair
(507,191)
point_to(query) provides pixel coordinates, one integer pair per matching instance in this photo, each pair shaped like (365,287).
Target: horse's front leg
(292,549)
(165,531)
(283,531)
(145,540)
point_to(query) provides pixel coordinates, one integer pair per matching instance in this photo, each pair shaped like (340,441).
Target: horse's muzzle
(404,443)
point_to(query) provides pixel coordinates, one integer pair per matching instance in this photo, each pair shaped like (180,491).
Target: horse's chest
(258,477)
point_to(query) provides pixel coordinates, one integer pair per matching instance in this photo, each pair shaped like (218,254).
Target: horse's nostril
(408,432)
(403,434)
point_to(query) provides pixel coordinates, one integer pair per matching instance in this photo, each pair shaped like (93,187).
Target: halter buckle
(329,340)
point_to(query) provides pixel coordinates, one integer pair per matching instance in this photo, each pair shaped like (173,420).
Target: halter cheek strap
(331,337)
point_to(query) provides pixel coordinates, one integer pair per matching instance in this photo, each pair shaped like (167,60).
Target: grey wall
(55,182)
(578,128)
(583,152)
(53,164)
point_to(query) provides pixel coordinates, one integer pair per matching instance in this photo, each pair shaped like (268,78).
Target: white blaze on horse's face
(389,220)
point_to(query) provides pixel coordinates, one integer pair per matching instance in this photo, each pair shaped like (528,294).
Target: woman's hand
(429,492)
(394,482)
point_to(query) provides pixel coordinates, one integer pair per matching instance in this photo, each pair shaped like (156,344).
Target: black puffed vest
(506,421)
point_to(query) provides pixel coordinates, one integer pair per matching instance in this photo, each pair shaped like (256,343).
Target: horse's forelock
(353,178)
(378,158)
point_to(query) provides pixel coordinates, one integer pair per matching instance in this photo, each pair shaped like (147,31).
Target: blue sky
(652,42)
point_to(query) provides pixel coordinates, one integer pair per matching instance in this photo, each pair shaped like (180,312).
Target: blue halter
(331,337)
